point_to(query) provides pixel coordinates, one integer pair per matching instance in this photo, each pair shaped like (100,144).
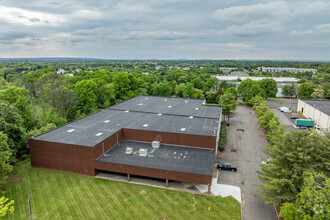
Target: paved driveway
(245,144)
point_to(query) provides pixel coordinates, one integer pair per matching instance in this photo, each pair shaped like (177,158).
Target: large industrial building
(159,137)
(316,110)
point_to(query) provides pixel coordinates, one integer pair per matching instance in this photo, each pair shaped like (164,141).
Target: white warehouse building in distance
(316,110)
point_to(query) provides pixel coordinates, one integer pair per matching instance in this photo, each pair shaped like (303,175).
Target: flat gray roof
(166,157)
(322,105)
(95,128)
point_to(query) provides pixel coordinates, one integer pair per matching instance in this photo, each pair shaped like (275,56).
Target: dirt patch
(143,192)
(16,178)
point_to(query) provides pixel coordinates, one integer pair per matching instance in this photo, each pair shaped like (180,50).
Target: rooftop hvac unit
(129,150)
(143,152)
(155,144)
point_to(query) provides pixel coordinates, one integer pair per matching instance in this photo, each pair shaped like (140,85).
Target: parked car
(266,162)
(285,109)
(303,127)
(294,117)
(227,166)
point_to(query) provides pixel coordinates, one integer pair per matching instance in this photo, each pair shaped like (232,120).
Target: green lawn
(61,195)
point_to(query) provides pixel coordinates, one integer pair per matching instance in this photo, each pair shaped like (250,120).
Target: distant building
(186,68)
(78,70)
(60,71)
(158,67)
(277,79)
(239,73)
(316,110)
(285,69)
(226,70)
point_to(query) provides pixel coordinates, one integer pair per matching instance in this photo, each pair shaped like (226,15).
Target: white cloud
(26,17)
(278,10)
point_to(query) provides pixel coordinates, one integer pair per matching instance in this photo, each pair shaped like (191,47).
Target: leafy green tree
(265,119)
(269,86)
(306,90)
(233,91)
(262,109)
(313,202)
(198,83)
(289,90)
(244,87)
(55,90)
(189,91)
(210,84)
(318,94)
(85,89)
(291,155)
(326,89)
(179,89)
(254,91)
(212,97)
(6,206)
(256,101)
(19,98)
(228,103)
(121,85)
(162,89)
(5,154)
(276,130)
(11,124)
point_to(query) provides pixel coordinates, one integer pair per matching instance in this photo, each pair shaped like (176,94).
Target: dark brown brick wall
(80,159)
(170,138)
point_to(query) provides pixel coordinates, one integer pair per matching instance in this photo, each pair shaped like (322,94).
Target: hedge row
(223,133)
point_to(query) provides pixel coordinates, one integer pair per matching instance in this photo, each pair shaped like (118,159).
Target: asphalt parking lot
(284,118)
(244,148)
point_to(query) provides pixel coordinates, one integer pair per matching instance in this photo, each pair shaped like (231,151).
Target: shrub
(223,133)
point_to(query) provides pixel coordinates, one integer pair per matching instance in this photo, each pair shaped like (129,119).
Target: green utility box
(304,122)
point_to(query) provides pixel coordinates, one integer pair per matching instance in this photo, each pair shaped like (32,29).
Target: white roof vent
(129,150)
(186,101)
(165,100)
(155,144)
(70,130)
(191,116)
(159,113)
(183,129)
(141,104)
(196,109)
(126,111)
(99,134)
(145,98)
(143,152)
(106,121)
(145,125)
(170,106)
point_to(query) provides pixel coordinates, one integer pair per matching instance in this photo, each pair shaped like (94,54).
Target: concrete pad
(222,190)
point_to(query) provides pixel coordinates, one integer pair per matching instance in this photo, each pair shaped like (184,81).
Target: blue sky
(166,29)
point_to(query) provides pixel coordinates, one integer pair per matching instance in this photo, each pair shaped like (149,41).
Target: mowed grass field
(61,195)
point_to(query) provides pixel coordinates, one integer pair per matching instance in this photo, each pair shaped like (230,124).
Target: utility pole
(29,206)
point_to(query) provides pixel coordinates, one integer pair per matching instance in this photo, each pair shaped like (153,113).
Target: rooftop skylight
(191,116)
(145,125)
(183,129)
(70,130)
(106,121)
(98,134)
